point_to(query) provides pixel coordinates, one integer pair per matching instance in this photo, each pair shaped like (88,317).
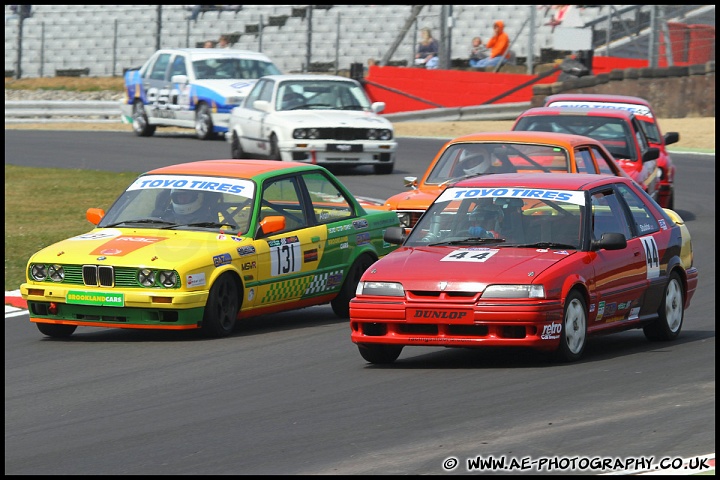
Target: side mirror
(410,182)
(377,107)
(652,153)
(181,79)
(394,235)
(262,105)
(272,224)
(94,215)
(610,241)
(671,137)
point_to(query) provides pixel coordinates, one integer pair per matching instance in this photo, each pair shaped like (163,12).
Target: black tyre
(236,150)
(56,331)
(341,303)
(379,354)
(141,125)
(274,148)
(573,336)
(671,312)
(383,168)
(671,200)
(204,123)
(222,307)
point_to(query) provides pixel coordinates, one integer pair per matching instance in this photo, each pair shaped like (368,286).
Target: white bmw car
(320,119)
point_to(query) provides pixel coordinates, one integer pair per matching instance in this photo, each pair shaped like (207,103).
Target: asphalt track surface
(290,394)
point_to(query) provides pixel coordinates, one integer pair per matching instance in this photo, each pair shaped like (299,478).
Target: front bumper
(522,324)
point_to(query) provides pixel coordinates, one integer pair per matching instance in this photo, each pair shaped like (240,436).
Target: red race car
(619,130)
(542,261)
(644,112)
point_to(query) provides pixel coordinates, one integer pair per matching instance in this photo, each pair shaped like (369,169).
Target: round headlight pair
(148,278)
(379,134)
(306,133)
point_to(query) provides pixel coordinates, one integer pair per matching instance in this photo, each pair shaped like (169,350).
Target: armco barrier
(62,111)
(109,112)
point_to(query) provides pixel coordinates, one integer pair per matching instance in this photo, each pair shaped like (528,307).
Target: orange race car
(496,152)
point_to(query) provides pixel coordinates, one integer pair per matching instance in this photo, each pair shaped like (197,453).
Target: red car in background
(644,112)
(619,130)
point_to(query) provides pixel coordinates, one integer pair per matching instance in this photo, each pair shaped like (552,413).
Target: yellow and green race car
(204,244)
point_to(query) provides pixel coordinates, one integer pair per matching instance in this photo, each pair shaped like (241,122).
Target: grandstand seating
(83,36)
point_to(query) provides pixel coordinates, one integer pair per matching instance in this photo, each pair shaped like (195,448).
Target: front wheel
(222,307)
(274,148)
(383,168)
(341,303)
(573,335)
(56,330)
(140,123)
(670,316)
(236,150)
(203,123)
(379,354)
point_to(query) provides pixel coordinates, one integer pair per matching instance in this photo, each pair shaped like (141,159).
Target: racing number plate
(344,147)
(435,315)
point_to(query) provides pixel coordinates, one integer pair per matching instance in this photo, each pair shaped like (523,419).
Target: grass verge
(46,205)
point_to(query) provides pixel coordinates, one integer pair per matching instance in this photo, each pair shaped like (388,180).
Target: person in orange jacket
(498,45)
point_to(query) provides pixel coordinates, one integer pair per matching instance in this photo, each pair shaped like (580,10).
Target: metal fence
(105,40)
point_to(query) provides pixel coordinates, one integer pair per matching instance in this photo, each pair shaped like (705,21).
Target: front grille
(98,275)
(342,133)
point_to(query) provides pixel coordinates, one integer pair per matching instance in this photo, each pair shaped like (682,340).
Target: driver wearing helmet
(485,221)
(477,164)
(188,206)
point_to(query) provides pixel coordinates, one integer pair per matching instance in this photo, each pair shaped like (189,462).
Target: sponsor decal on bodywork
(125,244)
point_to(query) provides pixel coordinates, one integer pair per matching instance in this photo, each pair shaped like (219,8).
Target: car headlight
(149,278)
(233,100)
(379,134)
(38,272)
(302,133)
(56,273)
(404,218)
(514,291)
(146,277)
(168,278)
(387,289)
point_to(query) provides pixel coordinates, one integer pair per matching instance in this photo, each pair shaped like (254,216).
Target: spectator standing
(209,44)
(498,46)
(428,48)
(478,51)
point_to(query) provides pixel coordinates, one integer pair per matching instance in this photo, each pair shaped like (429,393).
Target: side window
(640,135)
(584,161)
(256,92)
(160,67)
(602,161)
(328,202)
(282,197)
(642,217)
(178,66)
(267,91)
(608,215)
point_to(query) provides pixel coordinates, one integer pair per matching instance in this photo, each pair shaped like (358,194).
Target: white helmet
(185,202)
(482,165)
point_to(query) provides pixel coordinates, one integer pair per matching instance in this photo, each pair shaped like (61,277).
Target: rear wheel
(203,122)
(222,307)
(671,313)
(341,303)
(140,123)
(55,330)
(573,336)
(379,354)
